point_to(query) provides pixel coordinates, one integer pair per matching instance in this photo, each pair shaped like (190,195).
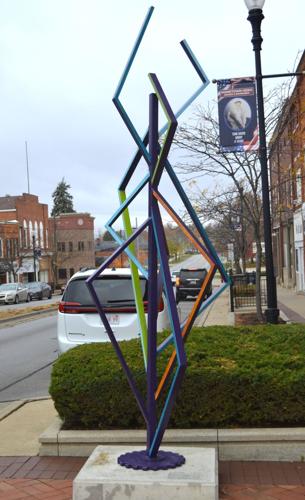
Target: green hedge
(246,376)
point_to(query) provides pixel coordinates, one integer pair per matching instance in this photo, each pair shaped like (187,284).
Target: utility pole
(27,165)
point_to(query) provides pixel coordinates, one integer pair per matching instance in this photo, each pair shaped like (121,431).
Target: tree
(240,173)
(176,241)
(107,236)
(231,224)
(62,199)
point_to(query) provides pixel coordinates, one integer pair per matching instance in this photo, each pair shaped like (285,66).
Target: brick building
(9,250)
(24,222)
(287,148)
(104,249)
(72,240)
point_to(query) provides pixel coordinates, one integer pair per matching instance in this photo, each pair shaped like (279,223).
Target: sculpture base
(102,477)
(139,460)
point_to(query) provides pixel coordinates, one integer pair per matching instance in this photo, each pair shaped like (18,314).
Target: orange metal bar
(184,230)
(184,333)
(194,310)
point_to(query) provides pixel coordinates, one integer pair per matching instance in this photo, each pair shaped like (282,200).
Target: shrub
(247,376)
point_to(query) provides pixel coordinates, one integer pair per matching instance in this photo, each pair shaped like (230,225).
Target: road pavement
(27,351)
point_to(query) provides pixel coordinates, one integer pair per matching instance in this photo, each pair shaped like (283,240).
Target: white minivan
(78,320)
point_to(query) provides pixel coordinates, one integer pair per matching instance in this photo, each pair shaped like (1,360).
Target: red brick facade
(72,239)
(30,217)
(287,163)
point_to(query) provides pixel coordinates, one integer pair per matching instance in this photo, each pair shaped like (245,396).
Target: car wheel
(28,298)
(40,297)
(50,296)
(16,299)
(178,297)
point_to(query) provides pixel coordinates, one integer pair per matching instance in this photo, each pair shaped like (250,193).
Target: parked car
(39,290)
(189,282)
(78,320)
(13,293)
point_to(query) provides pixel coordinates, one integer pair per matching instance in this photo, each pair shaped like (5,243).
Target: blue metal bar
(133,53)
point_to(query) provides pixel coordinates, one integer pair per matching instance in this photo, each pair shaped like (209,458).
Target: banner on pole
(237,112)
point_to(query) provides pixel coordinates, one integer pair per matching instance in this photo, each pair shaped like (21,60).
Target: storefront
(299,250)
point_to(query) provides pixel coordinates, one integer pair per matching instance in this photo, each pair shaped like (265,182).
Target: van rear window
(112,291)
(192,274)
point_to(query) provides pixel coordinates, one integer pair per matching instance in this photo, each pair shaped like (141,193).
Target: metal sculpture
(156,158)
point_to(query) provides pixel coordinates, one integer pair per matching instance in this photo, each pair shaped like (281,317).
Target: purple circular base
(139,460)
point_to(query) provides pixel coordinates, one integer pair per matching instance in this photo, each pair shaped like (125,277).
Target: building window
(36,231)
(70,246)
(8,249)
(298,181)
(26,236)
(294,118)
(31,234)
(81,246)
(41,234)
(16,249)
(1,251)
(62,274)
(71,271)
(297,260)
(61,246)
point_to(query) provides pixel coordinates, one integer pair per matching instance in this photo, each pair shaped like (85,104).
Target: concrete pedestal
(101,477)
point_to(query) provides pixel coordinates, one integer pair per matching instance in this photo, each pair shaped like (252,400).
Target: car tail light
(177,281)
(74,308)
(77,308)
(160,307)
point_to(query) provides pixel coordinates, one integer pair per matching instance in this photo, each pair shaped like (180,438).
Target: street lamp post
(255,17)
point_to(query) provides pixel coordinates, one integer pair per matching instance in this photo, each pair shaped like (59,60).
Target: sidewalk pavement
(25,475)
(291,304)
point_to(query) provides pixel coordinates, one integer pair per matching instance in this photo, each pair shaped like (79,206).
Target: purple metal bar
(181,355)
(152,281)
(107,326)
(171,130)
(119,250)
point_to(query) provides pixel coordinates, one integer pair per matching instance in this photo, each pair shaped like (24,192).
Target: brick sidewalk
(50,478)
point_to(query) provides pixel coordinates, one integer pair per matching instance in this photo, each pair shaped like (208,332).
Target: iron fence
(243,290)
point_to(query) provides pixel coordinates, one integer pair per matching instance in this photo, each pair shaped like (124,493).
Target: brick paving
(50,478)
(261,480)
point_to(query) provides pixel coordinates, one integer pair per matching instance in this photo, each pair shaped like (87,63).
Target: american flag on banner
(237,113)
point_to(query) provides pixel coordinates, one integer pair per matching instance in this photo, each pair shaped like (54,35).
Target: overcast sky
(60,63)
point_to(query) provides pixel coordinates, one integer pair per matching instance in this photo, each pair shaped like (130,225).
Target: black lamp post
(255,17)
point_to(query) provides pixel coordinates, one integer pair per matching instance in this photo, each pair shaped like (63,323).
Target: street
(27,351)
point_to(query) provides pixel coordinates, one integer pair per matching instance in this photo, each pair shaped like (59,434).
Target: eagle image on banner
(237,112)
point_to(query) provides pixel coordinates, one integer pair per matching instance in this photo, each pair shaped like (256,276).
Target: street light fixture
(255,17)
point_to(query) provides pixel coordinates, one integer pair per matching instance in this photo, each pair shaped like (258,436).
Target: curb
(11,408)
(15,405)
(254,444)
(29,315)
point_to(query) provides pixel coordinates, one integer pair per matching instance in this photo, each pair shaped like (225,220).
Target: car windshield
(33,285)
(8,286)
(111,290)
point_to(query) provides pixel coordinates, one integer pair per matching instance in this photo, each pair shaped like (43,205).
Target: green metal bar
(135,279)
